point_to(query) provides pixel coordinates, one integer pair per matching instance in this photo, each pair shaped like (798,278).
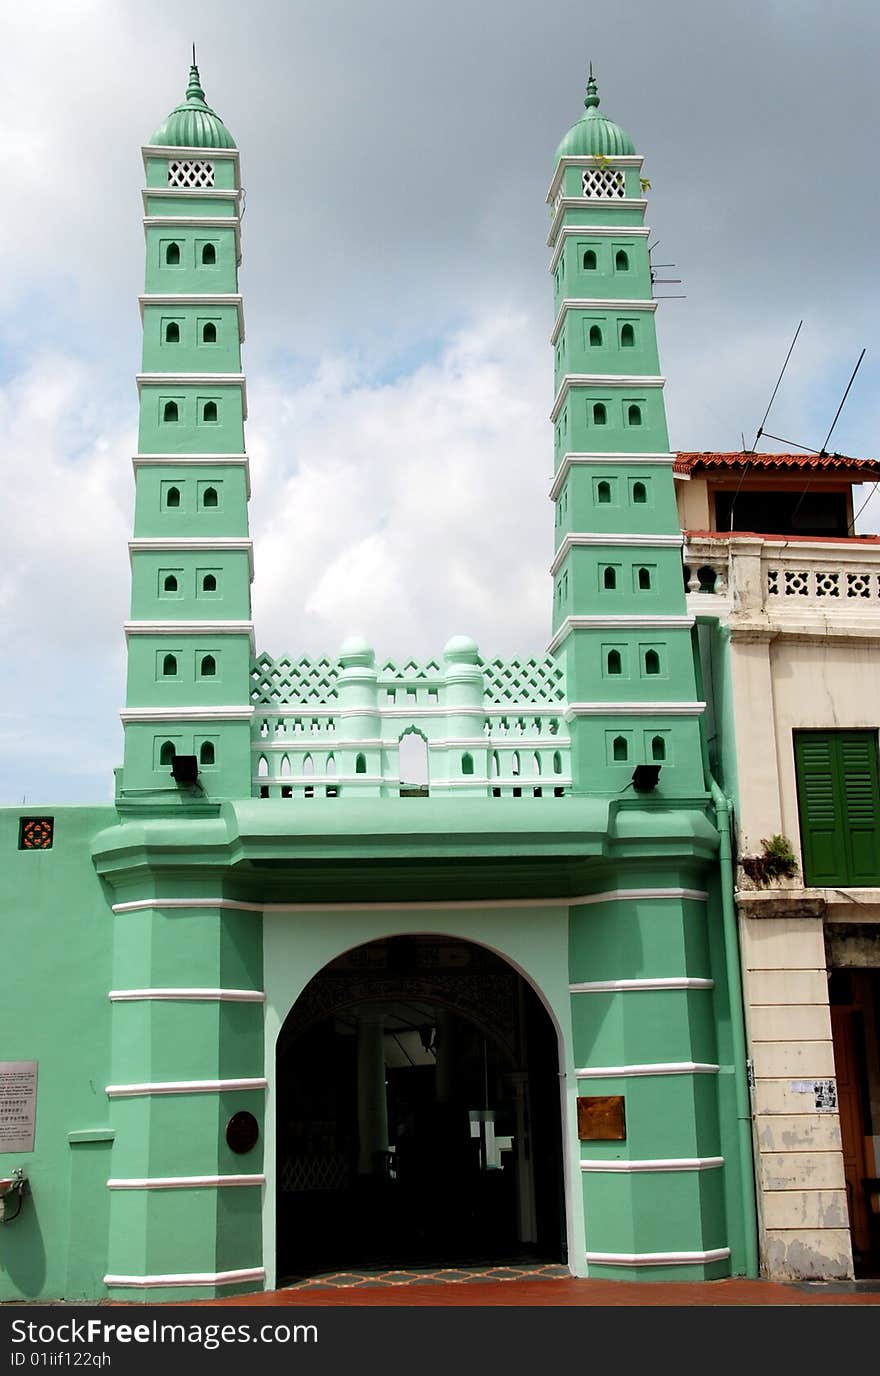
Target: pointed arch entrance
(418,1113)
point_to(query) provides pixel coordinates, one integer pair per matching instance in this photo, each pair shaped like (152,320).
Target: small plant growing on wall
(778,861)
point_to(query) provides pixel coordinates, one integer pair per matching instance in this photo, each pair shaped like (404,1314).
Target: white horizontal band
(242,905)
(627,539)
(183,1087)
(576,303)
(615,1072)
(188,995)
(683,1163)
(634,709)
(598,232)
(179,1278)
(298,742)
(193,544)
(633,382)
(184,1182)
(189,298)
(189,628)
(627,986)
(618,895)
(167,150)
(589,203)
(598,623)
(570,461)
(171,714)
(657,1258)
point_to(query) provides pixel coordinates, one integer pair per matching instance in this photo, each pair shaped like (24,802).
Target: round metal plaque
(242,1132)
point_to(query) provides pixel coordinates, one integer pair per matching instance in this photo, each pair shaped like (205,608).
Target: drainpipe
(737,1024)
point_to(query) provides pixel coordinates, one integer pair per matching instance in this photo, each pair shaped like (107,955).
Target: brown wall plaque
(601,1118)
(242,1132)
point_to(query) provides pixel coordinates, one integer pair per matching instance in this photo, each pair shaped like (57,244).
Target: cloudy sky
(396,155)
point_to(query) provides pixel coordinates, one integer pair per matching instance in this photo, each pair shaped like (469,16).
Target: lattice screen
(191,173)
(604,182)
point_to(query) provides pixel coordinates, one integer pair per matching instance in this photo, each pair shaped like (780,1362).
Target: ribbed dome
(594,134)
(193,124)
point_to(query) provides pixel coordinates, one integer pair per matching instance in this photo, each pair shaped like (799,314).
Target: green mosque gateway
(296,1004)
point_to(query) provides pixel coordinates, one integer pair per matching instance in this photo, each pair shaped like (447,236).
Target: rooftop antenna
(760,430)
(194,54)
(824,450)
(664,281)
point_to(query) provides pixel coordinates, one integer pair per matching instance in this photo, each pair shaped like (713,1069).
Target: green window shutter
(839,804)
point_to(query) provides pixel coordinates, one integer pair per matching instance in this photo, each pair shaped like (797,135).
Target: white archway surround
(533,940)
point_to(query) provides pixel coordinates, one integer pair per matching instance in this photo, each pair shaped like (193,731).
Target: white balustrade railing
(781,577)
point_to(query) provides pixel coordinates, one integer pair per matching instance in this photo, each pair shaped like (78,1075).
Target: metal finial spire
(194,88)
(591,99)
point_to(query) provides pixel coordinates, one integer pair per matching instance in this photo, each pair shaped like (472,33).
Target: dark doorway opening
(418,1119)
(854,996)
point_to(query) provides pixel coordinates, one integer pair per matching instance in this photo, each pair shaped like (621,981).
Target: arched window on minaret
(209,497)
(209,412)
(169,666)
(360,764)
(172,496)
(621,260)
(172,332)
(167,753)
(640,493)
(600,415)
(609,578)
(169,413)
(170,583)
(589,260)
(658,748)
(652,662)
(467,763)
(172,255)
(603,492)
(208,666)
(634,414)
(557,762)
(209,332)
(595,337)
(613,662)
(263,768)
(619,748)
(284,771)
(627,337)
(206,752)
(209,583)
(644,580)
(209,255)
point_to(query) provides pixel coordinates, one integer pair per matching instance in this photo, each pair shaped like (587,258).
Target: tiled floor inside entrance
(431,1275)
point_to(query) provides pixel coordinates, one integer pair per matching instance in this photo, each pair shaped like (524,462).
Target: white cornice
(620,623)
(588,203)
(183,1087)
(633,709)
(191,193)
(633,382)
(182,1182)
(187,995)
(596,232)
(169,150)
(172,714)
(193,544)
(657,1258)
(570,461)
(432,905)
(183,460)
(577,303)
(631,986)
(189,298)
(171,381)
(588,160)
(189,628)
(187,1278)
(626,539)
(613,1072)
(668,1163)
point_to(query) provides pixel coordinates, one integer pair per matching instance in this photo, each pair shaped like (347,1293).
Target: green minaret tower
(190,634)
(619,618)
